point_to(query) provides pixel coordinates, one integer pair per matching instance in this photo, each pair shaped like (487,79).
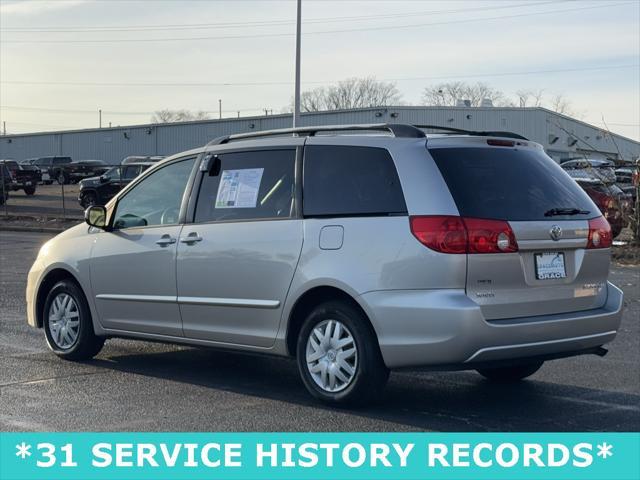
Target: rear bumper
(446,328)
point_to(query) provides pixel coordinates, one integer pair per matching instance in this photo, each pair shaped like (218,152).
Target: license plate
(550,265)
(28,184)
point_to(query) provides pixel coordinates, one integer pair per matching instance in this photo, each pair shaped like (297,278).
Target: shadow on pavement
(461,401)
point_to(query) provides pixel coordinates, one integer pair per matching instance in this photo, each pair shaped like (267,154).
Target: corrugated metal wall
(113,144)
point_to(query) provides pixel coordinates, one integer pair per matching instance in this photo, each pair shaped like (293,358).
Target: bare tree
(351,93)
(447,94)
(560,104)
(167,116)
(530,98)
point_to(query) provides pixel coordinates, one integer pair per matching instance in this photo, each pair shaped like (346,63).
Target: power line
(199,26)
(322,32)
(316,82)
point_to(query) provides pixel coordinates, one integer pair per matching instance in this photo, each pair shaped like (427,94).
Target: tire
(88,199)
(368,375)
(48,182)
(61,178)
(29,190)
(510,374)
(59,333)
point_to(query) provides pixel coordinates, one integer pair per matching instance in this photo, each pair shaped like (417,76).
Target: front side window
(248,186)
(130,173)
(350,181)
(113,174)
(155,200)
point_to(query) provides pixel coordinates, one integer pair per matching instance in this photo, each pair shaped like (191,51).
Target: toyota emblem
(555,233)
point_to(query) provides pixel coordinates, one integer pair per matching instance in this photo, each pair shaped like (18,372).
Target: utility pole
(296,95)
(100,118)
(220,108)
(4,127)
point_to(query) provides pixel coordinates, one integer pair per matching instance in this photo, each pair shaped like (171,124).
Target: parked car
(23,177)
(141,159)
(612,201)
(76,171)
(461,251)
(99,190)
(584,168)
(5,183)
(52,168)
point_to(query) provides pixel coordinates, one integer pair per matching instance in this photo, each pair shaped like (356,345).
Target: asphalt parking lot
(155,387)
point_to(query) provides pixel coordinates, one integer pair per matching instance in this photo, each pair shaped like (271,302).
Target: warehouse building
(562,136)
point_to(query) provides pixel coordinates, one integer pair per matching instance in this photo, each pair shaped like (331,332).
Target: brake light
(442,233)
(599,233)
(500,143)
(490,236)
(451,234)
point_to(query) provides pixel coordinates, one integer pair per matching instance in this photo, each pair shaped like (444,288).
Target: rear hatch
(555,259)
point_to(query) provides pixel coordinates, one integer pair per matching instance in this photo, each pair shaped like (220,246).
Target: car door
(237,259)
(133,266)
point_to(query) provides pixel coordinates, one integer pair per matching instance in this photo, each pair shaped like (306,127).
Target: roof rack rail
(397,129)
(473,132)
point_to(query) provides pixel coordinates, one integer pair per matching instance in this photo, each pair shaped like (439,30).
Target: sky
(63,60)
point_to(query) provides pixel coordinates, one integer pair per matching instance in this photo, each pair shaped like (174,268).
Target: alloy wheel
(331,355)
(64,321)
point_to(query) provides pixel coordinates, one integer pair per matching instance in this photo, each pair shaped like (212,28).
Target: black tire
(88,199)
(87,344)
(371,374)
(48,182)
(62,178)
(29,190)
(510,374)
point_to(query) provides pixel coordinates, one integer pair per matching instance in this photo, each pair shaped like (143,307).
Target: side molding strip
(221,302)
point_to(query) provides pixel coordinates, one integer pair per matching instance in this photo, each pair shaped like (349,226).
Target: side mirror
(96,216)
(103,178)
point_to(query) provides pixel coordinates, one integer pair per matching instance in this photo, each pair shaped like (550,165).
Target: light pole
(296,95)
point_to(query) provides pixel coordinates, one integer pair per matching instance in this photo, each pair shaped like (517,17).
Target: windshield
(510,184)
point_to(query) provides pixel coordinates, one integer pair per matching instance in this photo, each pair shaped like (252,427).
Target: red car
(614,204)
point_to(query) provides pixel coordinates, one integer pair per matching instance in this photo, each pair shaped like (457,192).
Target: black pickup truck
(5,183)
(23,177)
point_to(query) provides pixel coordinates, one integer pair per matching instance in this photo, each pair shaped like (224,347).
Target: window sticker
(239,188)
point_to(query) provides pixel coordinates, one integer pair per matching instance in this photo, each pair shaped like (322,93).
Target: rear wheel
(30,190)
(510,374)
(338,356)
(67,323)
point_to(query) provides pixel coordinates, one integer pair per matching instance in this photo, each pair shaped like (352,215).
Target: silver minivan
(355,249)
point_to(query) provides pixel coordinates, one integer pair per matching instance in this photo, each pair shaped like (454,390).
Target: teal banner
(339,456)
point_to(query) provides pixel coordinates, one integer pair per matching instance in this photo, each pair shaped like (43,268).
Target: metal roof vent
(486,102)
(463,103)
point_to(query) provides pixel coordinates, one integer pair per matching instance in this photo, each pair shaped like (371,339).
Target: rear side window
(509,184)
(350,181)
(248,186)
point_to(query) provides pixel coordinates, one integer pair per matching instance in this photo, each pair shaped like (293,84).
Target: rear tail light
(599,233)
(451,234)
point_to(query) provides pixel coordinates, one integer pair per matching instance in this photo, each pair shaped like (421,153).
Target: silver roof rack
(398,130)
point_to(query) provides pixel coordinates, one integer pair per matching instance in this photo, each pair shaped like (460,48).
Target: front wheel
(62,178)
(30,190)
(89,199)
(67,323)
(510,374)
(338,356)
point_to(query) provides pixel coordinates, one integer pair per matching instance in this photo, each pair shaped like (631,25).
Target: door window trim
(297,195)
(183,202)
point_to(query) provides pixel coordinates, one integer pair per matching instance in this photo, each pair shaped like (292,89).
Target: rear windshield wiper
(565,211)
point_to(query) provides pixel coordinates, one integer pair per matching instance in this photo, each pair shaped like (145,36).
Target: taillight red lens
(451,234)
(599,233)
(442,233)
(490,236)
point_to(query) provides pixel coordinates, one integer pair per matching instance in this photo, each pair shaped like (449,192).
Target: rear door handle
(193,237)
(166,240)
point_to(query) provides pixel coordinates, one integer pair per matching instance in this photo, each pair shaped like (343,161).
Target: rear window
(350,181)
(509,184)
